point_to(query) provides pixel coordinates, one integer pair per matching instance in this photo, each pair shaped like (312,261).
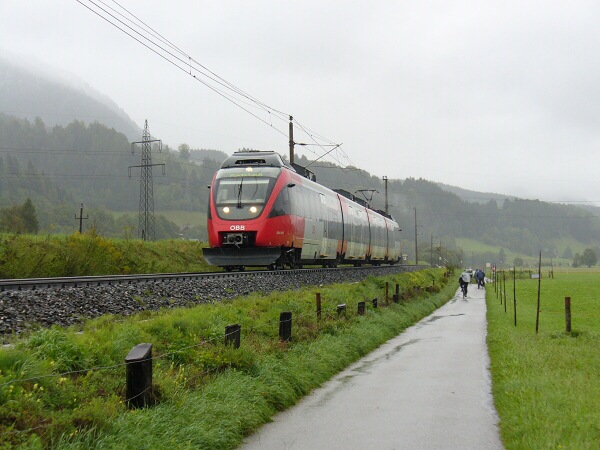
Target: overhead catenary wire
(131,25)
(178,65)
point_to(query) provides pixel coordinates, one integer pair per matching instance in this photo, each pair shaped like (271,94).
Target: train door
(324,236)
(313,230)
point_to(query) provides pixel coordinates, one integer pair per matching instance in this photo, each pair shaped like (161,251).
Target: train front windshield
(242,193)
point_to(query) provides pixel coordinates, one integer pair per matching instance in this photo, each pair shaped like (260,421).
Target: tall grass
(208,395)
(24,256)
(547,386)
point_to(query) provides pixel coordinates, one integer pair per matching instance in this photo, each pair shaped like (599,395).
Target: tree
(568,253)
(184,151)
(576,260)
(518,262)
(29,217)
(11,220)
(501,255)
(588,257)
(19,219)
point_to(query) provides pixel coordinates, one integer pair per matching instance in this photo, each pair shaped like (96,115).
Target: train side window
(281,206)
(297,204)
(316,205)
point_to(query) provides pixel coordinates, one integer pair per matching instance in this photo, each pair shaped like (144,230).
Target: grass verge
(207,395)
(546,386)
(32,256)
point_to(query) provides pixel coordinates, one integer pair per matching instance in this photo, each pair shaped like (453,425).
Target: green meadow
(546,386)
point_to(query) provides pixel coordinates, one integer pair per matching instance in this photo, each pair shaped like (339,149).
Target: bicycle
(463,288)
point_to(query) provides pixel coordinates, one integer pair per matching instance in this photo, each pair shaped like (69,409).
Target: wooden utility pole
(81,218)
(385,182)
(416,249)
(431,252)
(291,140)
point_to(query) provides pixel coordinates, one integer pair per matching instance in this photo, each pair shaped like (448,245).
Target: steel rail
(20,284)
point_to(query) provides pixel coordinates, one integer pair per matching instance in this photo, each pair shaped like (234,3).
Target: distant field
(181,218)
(546,386)
(471,245)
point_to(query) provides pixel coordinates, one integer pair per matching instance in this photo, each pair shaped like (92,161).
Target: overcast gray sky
(494,96)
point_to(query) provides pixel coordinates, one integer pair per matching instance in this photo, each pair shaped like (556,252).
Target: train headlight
(226,209)
(253,209)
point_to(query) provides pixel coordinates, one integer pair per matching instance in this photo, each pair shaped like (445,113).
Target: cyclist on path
(464,280)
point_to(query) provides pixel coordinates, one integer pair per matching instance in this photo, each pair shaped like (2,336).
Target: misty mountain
(30,90)
(595,210)
(473,196)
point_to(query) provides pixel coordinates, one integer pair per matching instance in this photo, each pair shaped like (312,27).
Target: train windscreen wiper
(239,203)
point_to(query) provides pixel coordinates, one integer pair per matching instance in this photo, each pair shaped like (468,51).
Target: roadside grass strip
(206,394)
(546,387)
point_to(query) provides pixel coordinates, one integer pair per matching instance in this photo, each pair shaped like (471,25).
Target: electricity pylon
(146,209)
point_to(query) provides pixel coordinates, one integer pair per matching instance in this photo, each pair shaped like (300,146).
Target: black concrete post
(374,303)
(138,386)
(341,309)
(285,326)
(232,335)
(361,308)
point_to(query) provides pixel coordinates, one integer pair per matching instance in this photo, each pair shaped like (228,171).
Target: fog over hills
(28,89)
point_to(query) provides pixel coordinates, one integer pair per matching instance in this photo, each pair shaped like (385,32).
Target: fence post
(232,335)
(361,308)
(515,294)
(138,385)
(504,289)
(387,287)
(341,309)
(568,313)
(396,296)
(285,326)
(318,298)
(374,303)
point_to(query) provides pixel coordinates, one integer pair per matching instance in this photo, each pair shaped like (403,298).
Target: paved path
(428,388)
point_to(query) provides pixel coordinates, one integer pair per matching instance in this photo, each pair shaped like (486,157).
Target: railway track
(20,284)
(30,303)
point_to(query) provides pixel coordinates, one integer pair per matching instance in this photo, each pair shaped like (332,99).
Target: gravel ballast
(23,310)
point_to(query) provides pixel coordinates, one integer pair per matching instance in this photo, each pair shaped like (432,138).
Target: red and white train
(263,212)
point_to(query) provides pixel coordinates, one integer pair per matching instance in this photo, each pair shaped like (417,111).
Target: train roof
(244,158)
(361,202)
(254,158)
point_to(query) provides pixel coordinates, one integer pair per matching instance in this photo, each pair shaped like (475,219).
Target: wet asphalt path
(428,388)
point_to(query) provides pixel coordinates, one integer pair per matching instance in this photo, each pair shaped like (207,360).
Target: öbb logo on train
(237,228)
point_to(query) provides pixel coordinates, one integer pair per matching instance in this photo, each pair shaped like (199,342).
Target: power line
(186,67)
(161,46)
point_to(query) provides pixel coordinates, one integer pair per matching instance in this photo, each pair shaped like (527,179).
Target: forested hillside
(60,168)
(524,226)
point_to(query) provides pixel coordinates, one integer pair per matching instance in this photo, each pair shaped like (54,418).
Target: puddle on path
(434,318)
